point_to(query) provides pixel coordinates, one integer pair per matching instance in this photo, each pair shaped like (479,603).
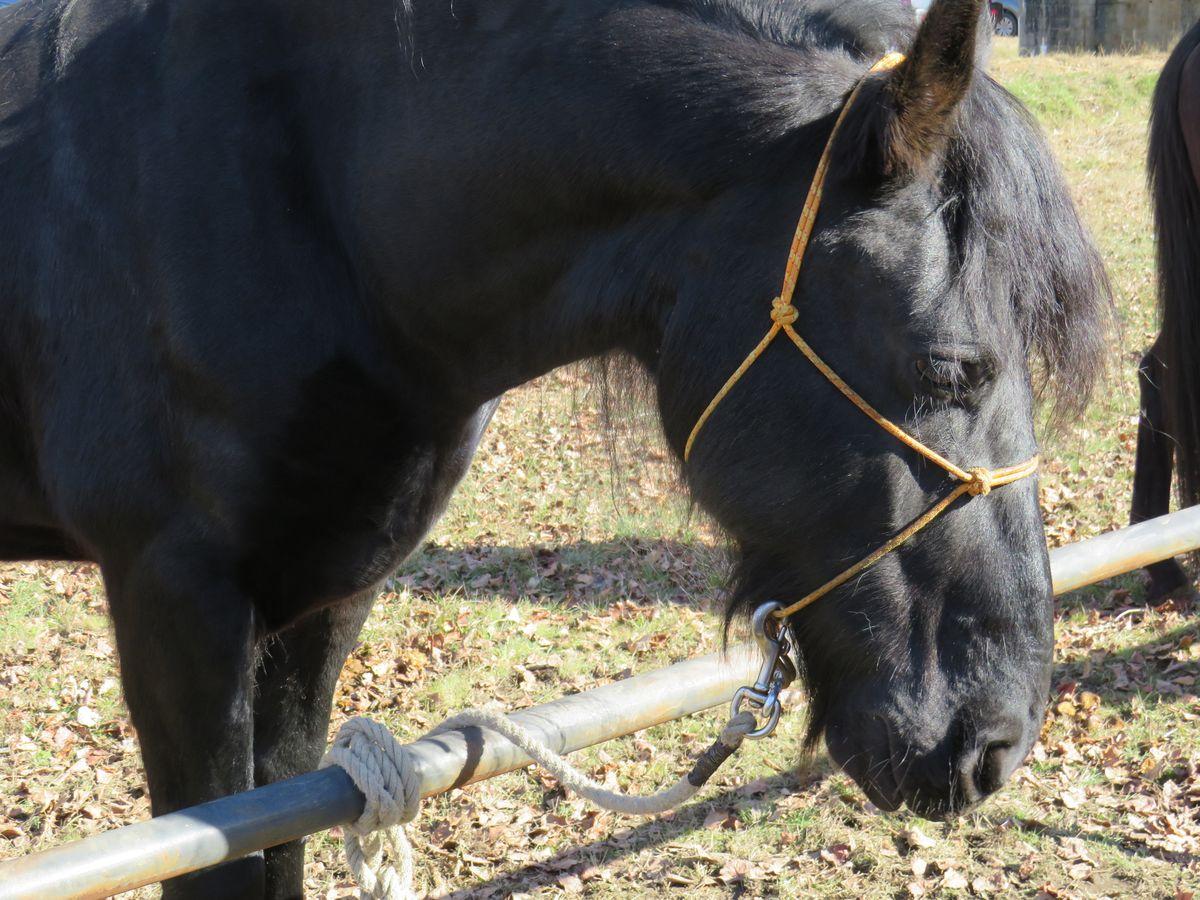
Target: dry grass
(544,577)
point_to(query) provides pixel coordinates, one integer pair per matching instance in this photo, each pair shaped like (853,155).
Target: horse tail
(1176,199)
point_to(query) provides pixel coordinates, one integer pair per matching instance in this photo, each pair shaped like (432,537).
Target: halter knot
(782,312)
(980,484)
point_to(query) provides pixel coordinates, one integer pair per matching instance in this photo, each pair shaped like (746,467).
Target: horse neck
(517,182)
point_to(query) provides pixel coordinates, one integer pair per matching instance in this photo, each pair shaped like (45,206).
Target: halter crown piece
(976,482)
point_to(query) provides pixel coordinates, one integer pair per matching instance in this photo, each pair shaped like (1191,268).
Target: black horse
(265,265)
(1169,375)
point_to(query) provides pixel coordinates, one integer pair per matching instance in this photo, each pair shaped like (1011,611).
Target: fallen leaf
(1080,871)
(572,884)
(989,884)
(917,839)
(954,880)
(1073,798)
(721,818)
(837,855)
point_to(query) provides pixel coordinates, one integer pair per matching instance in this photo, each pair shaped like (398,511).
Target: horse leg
(297,671)
(186,640)
(1152,472)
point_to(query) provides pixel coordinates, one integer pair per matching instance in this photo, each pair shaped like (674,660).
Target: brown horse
(1169,432)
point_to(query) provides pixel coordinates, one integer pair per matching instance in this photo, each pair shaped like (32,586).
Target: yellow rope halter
(976,482)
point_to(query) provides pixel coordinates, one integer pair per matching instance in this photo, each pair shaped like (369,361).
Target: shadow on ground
(584,573)
(647,835)
(655,833)
(599,574)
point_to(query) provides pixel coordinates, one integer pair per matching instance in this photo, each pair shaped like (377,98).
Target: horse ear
(924,91)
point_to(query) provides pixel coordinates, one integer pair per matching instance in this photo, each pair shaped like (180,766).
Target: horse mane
(1176,199)
(862,28)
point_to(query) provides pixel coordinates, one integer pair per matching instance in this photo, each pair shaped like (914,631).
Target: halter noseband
(976,481)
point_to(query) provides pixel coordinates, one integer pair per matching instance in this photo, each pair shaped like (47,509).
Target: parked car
(1006,14)
(1006,17)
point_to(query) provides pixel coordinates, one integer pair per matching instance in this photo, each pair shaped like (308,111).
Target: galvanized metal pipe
(232,827)
(1124,550)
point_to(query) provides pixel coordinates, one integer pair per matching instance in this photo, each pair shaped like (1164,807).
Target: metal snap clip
(776,673)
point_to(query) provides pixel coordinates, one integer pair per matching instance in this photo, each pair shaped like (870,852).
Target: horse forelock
(1016,228)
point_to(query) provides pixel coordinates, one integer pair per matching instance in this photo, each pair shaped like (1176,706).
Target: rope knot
(387,775)
(782,312)
(980,484)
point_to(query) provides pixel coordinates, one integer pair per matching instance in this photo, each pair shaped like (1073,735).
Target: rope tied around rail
(381,767)
(386,773)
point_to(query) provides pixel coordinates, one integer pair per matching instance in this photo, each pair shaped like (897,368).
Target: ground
(546,577)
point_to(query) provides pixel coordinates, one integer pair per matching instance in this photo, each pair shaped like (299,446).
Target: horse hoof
(1167,581)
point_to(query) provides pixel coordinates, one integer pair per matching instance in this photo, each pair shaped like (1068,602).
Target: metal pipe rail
(225,829)
(232,827)
(1125,549)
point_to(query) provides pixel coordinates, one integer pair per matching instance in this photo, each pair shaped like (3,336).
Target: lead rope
(386,773)
(977,482)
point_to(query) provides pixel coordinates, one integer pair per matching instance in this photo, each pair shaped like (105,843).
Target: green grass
(20,616)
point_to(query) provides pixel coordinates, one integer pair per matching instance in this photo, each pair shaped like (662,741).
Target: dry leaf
(1073,798)
(917,839)
(954,880)
(572,884)
(721,818)
(1080,871)
(837,854)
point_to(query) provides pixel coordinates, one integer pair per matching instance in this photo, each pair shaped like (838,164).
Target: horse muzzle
(896,765)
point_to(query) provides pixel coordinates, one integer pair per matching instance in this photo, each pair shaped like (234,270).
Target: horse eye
(951,378)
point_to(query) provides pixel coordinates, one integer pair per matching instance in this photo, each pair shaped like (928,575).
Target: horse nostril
(990,755)
(984,770)
(994,767)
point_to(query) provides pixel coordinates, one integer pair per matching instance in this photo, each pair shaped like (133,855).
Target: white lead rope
(384,770)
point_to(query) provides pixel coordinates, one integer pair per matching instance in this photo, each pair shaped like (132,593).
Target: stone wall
(1104,25)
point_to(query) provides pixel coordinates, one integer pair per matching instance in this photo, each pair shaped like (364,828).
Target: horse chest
(346,502)
(330,553)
